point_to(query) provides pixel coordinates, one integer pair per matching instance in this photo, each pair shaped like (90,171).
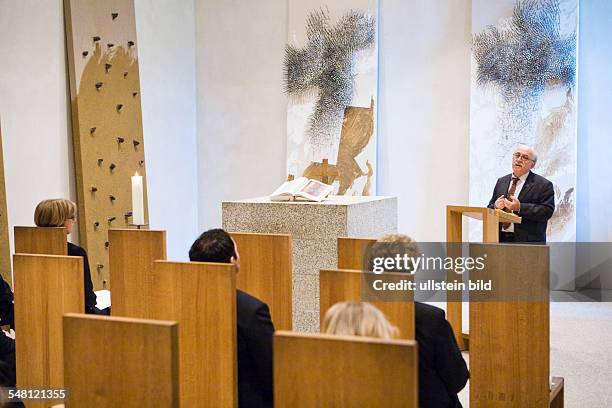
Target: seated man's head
(389,246)
(358,319)
(215,245)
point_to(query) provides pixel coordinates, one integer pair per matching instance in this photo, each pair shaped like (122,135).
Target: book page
(290,187)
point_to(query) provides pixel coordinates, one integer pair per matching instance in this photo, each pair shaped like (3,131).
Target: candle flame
(136,174)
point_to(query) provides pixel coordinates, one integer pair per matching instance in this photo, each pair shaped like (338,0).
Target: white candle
(137,200)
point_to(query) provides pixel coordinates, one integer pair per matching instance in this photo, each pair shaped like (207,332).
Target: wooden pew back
(46,287)
(315,370)
(266,273)
(120,362)
(41,240)
(131,256)
(351,252)
(336,285)
(509,340)
(201,297)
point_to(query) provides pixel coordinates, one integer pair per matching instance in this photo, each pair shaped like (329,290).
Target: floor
(580,348)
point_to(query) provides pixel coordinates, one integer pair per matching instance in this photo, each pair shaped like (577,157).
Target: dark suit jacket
(442,370)
(255,333)
(90,296)
(537,199)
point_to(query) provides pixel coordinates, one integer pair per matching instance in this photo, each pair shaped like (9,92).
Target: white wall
(594,189)
(166,39)
(423,120)
(241,106)
(423,109)
(35,109)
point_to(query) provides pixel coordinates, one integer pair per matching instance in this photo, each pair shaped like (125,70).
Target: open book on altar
(301,188)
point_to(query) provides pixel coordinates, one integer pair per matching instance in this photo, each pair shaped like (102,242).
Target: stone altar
(314,228)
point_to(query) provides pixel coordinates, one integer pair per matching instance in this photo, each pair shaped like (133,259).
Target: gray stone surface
(315,228)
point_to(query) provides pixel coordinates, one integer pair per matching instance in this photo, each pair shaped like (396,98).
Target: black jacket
(442,370)
(255,333)
(537,199)
(90,296)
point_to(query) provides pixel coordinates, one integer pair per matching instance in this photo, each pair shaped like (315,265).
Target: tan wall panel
(120,362)
(106,120)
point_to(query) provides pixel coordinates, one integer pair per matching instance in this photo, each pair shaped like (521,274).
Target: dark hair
(214,245)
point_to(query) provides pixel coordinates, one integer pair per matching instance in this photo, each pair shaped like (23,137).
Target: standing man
(526,194)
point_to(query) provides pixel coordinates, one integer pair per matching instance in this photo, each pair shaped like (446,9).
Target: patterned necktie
(510,194)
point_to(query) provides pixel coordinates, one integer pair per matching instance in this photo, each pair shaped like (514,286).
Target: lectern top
(479,213)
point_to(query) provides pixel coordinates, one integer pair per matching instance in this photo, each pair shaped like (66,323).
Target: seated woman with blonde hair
(358,319)
(60,212)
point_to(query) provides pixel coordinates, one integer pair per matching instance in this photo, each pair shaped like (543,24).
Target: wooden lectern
(490,233)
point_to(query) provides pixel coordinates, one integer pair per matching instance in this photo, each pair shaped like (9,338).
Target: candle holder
(138,226)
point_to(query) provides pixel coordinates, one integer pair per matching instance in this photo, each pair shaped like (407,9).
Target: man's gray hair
(533,151)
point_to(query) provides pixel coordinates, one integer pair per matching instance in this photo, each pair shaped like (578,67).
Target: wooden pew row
(201,298)
(316,370)
(120,362)
(46,287)
(266,273)
(131,256)
(37,240)
(510,340)
(337,285)
(351,252)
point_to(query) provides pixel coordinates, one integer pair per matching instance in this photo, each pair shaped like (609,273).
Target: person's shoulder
(428,313)
(247,301)
(75,250)
(505,177)
(537,179)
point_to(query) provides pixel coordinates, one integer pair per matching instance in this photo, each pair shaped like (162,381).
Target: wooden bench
(266,273)
(46,287)
(341,285)
(316,370)
(131,257)
(120,362)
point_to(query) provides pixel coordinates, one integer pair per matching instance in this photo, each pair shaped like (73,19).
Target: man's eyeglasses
(524,157)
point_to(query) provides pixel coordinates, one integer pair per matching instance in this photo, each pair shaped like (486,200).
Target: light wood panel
(351,252)
(120,362)
(5,251)
(490,233)
(341,285)
(132,254)
(509,340)
(46,287)
(106,119)
(41,240)
(557,393)
(314,370)
(266,272)
(201,297)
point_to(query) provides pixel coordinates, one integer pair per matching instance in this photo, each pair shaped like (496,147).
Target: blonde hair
(358,319)
(54,212)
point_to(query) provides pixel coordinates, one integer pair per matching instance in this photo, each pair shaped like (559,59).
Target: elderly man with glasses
(526,194)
